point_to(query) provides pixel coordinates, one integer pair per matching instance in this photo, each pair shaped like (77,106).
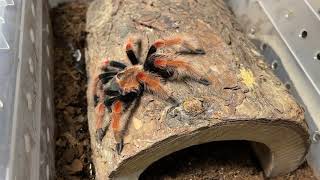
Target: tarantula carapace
(118,87)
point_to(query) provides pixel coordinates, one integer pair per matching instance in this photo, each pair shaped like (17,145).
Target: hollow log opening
(230,159)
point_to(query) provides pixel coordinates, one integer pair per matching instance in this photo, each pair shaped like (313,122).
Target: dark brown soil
(73,151)
(217,160)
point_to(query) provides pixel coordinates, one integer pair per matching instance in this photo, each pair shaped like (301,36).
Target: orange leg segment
(129,44)
(175,64)
(117,109)
(181,68)
(160,43)
(153,83)
(168,42)
(100,110)
(115,119)
(191,46)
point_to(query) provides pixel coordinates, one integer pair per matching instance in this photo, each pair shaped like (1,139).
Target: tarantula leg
(122,111)
(106,79)
(117,108)
(96,90)
(107,65)
(190,50)
(190,46)
(107,76)
(117,64)
(94,86)
(130,53)
(100,111)
(163,43)
(102,123)
(139,47)
(112,89)
(110,100)
(98,97)
(96,100)
(101,132)
(181,69)
(153,84)
(119,146)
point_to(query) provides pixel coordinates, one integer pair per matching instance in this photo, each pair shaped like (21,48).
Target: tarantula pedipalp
(118,86)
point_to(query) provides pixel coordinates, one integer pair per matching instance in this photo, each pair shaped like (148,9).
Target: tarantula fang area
(119,86)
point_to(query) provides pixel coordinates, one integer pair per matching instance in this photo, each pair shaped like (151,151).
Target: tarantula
(118,87)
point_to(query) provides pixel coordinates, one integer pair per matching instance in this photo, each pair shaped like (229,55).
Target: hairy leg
(153,84)
(181,69)
(160,43)
(130,52)
(98,94)
(107,70)
(100,114)
(120,115)
(112,65)
(190,45)
(100,108)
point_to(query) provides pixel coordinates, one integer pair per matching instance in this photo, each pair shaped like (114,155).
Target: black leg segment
(151,51)
(132,57)
(117,64)
(107,74)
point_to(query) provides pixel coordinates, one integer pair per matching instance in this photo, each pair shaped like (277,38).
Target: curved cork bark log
(245,101)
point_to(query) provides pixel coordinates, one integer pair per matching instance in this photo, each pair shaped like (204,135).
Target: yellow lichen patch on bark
(247,77)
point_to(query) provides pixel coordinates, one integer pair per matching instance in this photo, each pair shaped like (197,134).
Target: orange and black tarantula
(118,87)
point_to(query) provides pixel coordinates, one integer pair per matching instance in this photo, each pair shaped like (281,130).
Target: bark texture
(245,101)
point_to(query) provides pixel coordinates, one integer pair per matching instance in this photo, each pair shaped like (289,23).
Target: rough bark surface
(245,101)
